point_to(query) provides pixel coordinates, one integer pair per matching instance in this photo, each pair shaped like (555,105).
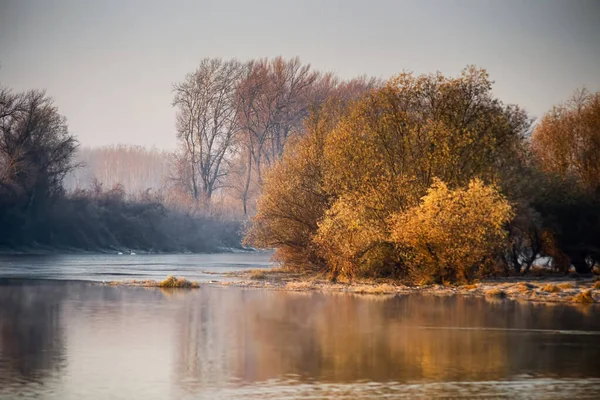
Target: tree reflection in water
(83,340)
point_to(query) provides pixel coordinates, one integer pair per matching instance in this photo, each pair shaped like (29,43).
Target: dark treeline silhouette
(37,152)
(233,122)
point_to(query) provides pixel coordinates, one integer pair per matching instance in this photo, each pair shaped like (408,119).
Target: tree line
(432,179)
(137,168)
(37,152)
(425,178)
(233,121)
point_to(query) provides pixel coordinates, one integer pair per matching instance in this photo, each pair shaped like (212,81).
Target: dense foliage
(427,178)
(566,145)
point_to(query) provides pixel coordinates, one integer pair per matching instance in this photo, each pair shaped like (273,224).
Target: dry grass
(258,274)
(174,282)
(469,287)
(566,285)
(551,288)
(383,288)
(299,285)
(524,287)
(495,292)
(584,297)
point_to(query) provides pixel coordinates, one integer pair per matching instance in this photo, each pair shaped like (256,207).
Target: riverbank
(552,288)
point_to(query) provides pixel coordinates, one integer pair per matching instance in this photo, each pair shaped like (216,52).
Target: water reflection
(85,340)
(31,332)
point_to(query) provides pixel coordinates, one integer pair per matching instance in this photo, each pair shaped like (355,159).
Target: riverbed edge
(545,289)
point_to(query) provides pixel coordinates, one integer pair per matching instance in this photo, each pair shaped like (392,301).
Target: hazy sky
(110,64)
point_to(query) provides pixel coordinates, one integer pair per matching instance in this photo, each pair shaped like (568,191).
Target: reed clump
(584,297)
(551,288)
(174,282)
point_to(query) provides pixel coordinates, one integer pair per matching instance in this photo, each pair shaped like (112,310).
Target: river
(65,336)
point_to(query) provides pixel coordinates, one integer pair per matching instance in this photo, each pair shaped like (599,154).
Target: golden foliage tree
(293,200)
(453,234)
(331,197)
(566,145)
(353,241)
(385,153)
(567,140)
(416,128)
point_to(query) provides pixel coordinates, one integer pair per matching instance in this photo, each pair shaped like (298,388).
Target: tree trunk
(247,185)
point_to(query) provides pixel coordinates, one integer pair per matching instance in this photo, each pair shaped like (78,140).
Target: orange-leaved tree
(453,235)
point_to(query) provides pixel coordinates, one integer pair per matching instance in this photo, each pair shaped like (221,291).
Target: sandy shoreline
(554,289)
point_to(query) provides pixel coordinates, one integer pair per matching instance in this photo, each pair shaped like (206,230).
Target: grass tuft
(258,274)
(524,287)
(584,297)
(566,285)
(173,282)
(551,288)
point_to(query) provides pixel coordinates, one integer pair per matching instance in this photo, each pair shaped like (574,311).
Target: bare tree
(36,148)
(255,102)
(207,123)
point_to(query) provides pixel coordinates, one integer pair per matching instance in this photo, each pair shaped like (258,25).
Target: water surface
(115,267)
(75,339)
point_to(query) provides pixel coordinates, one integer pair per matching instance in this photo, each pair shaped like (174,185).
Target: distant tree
(567,141)
(274,98)
(35,145)
(566,146)
(135,167)
(207,123)
(36,152)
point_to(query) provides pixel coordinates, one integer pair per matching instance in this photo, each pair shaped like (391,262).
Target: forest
(424,178)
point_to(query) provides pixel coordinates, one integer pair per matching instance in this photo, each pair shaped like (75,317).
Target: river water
(77,339)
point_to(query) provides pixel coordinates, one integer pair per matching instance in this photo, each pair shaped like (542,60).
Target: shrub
(352,242)
(454,235)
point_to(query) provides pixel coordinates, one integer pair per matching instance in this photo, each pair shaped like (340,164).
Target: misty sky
(110,64)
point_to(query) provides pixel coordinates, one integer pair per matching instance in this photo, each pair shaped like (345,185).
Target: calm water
(98,268)
(80,340)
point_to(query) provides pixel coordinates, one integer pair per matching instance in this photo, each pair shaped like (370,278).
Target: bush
(453,235)
(352,242)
